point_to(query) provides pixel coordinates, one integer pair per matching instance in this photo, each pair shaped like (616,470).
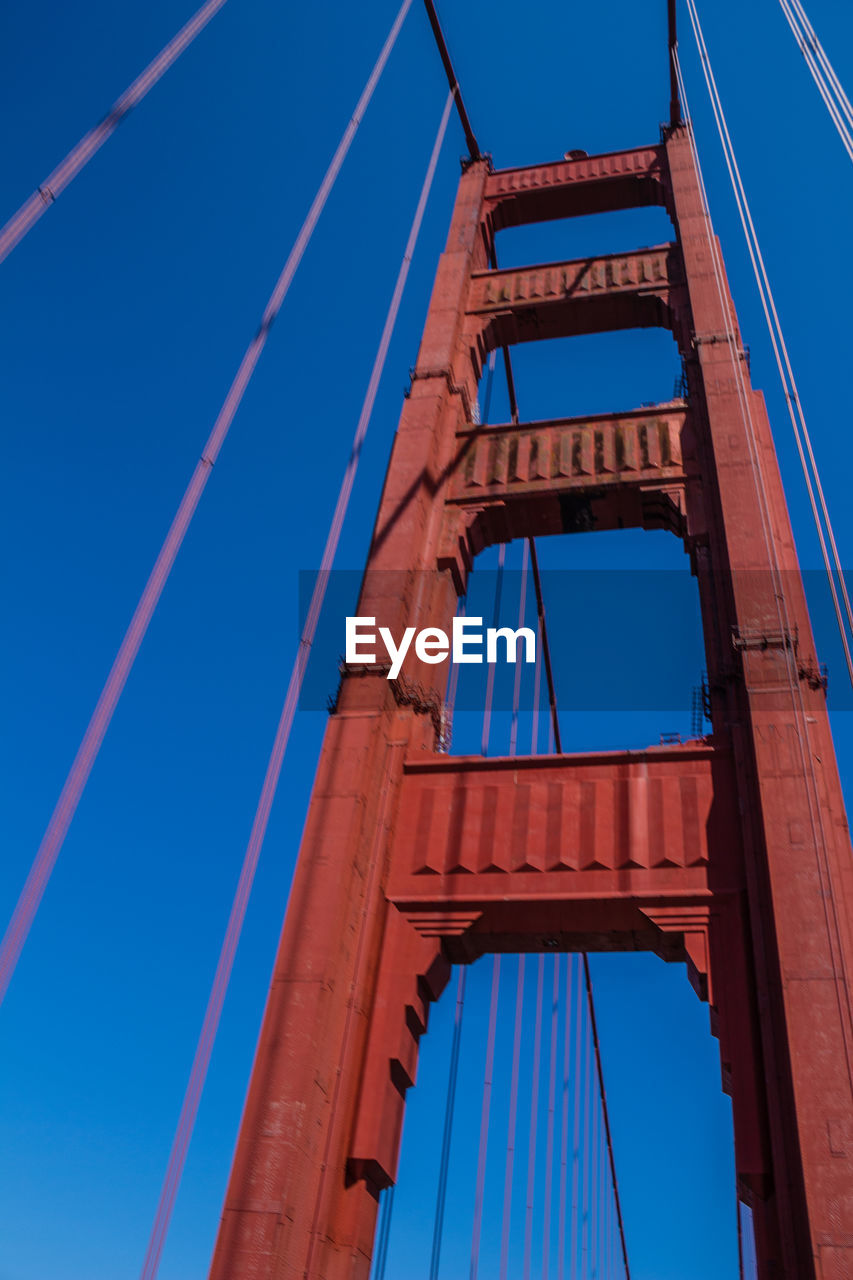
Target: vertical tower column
(292,1210)
(797,847)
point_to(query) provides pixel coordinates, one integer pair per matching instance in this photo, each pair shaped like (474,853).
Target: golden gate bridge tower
(730,852)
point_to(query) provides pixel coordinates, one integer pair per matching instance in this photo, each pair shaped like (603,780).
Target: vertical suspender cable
(604,1113)
(444,1167)
(259,826)
(484,1119)
(534,1116)
(487,396)
(516,688)
(585,1155)
(564,1125)
(546,648)
(80,155)
(552,1102)
(594,1127)
(31,895)
(384,1234)
(739,1237)
(490,678)
(601,1196)
(452,682)
(593,1186)
(513,1110)
(576,1131)
(609,1232)
(537,685)
(553,734)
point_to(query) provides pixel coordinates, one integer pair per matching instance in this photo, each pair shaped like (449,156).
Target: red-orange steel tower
(731,852)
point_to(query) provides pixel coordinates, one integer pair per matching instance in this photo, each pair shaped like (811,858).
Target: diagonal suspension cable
(259,826)
(828,85)
(783,363)
(80,155)
(843,101)
(63,814)
(806,759)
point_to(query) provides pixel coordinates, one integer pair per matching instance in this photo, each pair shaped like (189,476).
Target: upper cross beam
(573,187)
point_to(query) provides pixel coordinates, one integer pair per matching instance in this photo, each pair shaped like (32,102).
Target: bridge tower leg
(730,853)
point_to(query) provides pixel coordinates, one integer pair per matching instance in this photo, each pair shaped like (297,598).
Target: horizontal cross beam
(573,187)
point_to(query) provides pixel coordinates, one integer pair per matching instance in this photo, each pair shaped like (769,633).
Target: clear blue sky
(124,315)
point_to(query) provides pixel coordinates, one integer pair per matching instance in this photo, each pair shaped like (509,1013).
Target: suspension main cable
(63,814)
(66,171)
(795,410)
(273,772)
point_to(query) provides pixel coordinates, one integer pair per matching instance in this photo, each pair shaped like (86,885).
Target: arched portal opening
(661,1070)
